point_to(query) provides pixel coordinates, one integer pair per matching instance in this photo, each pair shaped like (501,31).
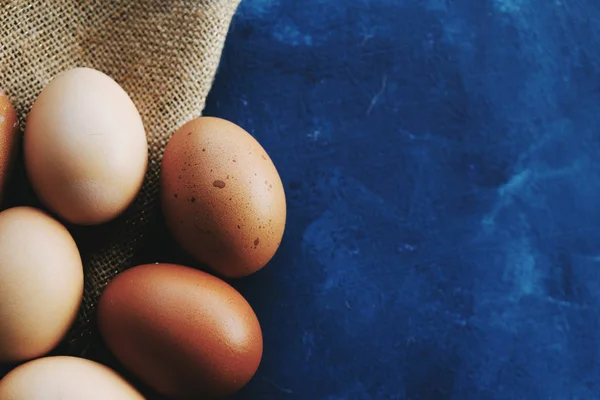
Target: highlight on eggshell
(85,147)
(222,197)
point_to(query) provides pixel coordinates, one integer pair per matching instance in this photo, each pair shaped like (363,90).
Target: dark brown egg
(222,197)
(8,139)
(184,332)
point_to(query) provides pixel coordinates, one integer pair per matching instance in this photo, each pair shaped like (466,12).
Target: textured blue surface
(441,161)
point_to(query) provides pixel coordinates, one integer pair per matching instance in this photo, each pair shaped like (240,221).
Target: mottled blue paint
(441,162)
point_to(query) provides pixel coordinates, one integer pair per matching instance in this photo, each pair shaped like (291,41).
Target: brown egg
(41,283)
(222,197)
(65,378)
(85,147)
(184,332)
(8,139)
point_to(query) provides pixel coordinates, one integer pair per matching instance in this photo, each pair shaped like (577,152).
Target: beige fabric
(163,52)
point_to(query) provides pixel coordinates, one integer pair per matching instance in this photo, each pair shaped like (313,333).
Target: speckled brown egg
(65,378)
(184,332)
(222,197)
(41,283)
(8,139)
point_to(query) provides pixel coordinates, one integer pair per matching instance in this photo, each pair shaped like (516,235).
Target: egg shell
(41,283)
(222,197)
(182,331)
(65,378)
(85,147)
(8,140)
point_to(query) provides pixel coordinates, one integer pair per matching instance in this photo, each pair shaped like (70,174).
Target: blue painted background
(441,161)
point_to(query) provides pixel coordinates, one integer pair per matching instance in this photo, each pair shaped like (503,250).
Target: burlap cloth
(164,53)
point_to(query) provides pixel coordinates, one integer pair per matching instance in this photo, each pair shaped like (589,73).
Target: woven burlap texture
(164,53)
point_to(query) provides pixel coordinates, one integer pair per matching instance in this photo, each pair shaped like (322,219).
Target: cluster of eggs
(182,331)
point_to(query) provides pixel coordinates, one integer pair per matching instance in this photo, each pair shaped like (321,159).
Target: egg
(8,139)
(41,283)
(65,378)
(182,331)
(222,197)
(85,147)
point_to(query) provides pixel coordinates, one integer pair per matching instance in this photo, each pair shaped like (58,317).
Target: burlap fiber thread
(164,53)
